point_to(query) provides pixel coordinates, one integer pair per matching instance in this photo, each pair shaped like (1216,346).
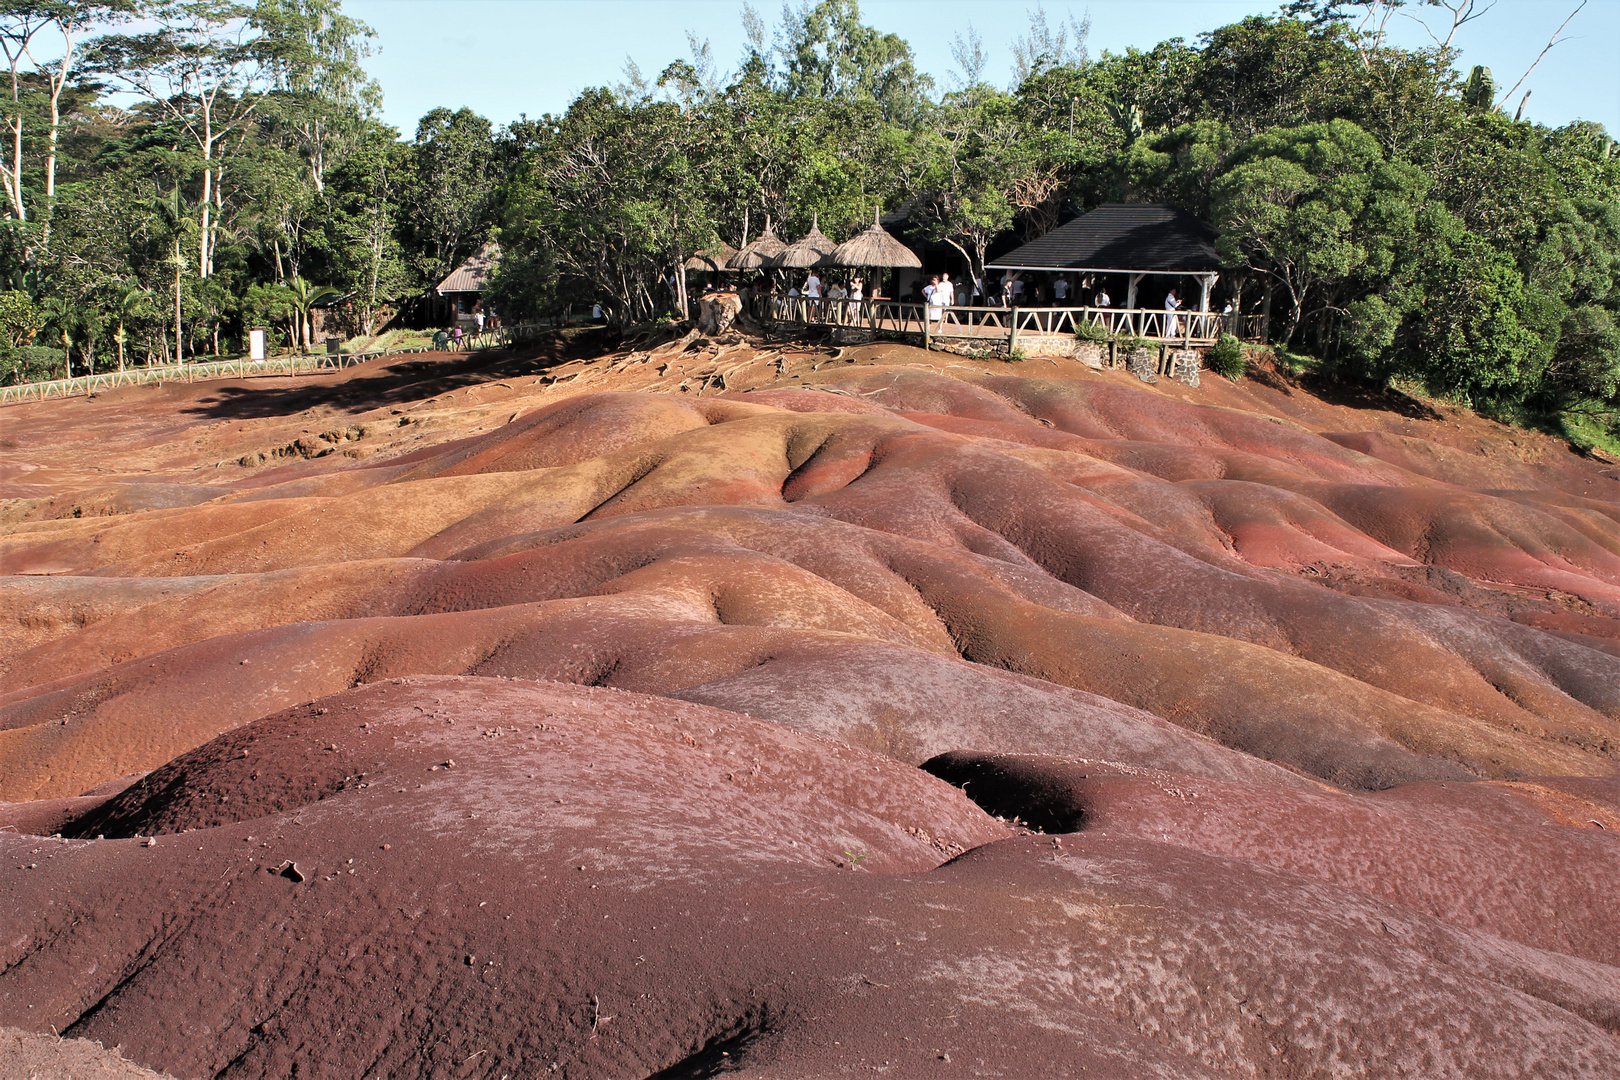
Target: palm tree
(129,302)
(66,319)
(305,296)
(170,209)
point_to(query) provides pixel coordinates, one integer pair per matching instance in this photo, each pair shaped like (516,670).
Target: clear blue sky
(503,58)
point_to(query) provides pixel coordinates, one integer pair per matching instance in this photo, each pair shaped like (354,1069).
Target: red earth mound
(1331,695)
(492,877)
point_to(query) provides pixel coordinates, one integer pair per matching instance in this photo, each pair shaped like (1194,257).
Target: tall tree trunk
(119,340)
(13,174)
(205,142)
(179,345)
(58,84)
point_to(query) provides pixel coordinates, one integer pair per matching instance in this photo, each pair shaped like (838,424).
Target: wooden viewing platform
(1188,329)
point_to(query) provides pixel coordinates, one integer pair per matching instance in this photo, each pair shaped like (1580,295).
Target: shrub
(1092,330)
(1226,358)
(29,363)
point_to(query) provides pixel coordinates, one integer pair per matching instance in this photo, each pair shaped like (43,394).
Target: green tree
(828,52)
(128,304)
(202,67)
(448,196)
(304,296)
(169,214)
(321,93)
(1315,207)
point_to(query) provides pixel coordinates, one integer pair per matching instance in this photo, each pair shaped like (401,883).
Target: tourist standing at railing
(812,295)
(1101,299)
(1015,291)
(835,301)
(857,294)
(945,294)
(1172,321)
(930,297)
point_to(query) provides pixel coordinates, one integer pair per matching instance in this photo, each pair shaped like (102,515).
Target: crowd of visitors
(839,298)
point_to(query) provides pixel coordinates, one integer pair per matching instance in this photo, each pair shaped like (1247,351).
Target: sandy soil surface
(26,1056)
(650,709)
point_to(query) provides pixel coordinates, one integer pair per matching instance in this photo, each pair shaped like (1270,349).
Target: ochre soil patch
(560,713)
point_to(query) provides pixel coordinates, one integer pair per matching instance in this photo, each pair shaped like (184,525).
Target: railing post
(1012,333)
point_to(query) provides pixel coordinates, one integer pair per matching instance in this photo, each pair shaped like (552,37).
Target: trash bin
(334,346)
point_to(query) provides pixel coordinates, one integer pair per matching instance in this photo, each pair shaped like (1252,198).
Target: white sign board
(255,344)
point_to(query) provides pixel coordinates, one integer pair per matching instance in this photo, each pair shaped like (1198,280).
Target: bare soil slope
(561,713)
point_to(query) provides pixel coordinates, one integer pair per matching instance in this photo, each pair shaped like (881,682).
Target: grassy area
(1595,434)
(390,339)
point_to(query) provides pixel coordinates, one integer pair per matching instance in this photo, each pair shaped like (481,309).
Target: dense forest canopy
(174,172)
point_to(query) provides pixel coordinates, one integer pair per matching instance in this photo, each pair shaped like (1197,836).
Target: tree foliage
(1374,200)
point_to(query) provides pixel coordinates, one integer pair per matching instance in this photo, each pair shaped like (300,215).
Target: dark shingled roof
(471,275)
(1121,236)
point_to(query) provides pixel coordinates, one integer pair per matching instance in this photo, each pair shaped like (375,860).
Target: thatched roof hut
(712,261)
(814,250)
(758,255)
(875,247)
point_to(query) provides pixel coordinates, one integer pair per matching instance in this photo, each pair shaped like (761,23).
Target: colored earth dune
(714,709)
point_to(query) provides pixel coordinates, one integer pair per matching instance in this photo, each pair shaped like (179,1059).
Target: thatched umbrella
(713,261)
(875,247)
(814,250)
(757,256)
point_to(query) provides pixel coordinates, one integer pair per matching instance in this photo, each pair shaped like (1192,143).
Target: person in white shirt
(945,293)
(1102,298)
(857,289)
(812,295)
(835,298)
(1017,291)
(1060,290)
(1172,321)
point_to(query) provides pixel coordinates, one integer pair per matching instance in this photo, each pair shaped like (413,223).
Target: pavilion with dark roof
(1131,239)
(464,286)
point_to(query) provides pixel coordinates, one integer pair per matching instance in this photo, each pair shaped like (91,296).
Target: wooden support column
(1130,291)
(1012,333)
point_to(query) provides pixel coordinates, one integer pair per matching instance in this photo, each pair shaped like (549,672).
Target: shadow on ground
(408,380)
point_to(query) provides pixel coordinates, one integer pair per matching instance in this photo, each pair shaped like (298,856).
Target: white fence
(245,369)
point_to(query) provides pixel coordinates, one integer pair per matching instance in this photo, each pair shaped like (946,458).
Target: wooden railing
(241,368)
(895,316)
